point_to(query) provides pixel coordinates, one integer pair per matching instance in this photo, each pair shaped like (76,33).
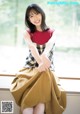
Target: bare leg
(39,109)
(28,111)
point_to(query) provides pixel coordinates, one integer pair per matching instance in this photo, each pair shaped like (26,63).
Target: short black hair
(29,24)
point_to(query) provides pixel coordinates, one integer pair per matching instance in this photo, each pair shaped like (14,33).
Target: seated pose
(35,89)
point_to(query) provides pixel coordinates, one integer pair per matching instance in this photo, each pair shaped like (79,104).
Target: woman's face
(35,18)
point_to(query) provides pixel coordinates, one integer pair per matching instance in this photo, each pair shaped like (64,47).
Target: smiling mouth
(36,22)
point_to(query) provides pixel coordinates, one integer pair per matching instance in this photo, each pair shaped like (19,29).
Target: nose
(35,17)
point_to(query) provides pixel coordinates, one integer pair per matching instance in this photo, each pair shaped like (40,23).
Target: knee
(39,109)
(28,111)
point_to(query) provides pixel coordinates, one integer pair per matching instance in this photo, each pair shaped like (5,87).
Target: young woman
(34,88)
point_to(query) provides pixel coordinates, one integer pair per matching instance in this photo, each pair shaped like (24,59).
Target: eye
(30,16)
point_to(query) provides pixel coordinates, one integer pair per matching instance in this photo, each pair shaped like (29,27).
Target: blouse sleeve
(50,44)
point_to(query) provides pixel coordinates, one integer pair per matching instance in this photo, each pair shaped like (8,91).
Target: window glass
(64,17)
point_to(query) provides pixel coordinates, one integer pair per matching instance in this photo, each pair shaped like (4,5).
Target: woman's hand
(46,61)
(41,67)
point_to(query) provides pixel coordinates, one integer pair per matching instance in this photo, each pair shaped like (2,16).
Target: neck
(38,28)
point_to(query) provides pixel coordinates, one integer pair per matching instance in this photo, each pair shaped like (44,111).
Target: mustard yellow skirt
(31,87)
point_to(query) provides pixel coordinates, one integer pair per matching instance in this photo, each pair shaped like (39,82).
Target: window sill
(69,85)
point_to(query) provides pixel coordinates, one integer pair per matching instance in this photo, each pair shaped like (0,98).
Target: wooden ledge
(8,74)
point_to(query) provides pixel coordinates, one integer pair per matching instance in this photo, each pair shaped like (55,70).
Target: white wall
(5,95)
(73,103)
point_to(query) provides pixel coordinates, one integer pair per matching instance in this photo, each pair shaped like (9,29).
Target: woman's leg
(28,111)
(39,109)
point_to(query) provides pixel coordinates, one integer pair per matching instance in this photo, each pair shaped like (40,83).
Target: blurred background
(64,17)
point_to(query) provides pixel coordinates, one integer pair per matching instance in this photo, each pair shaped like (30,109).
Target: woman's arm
(49,46)
(34,52)
(32,47)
